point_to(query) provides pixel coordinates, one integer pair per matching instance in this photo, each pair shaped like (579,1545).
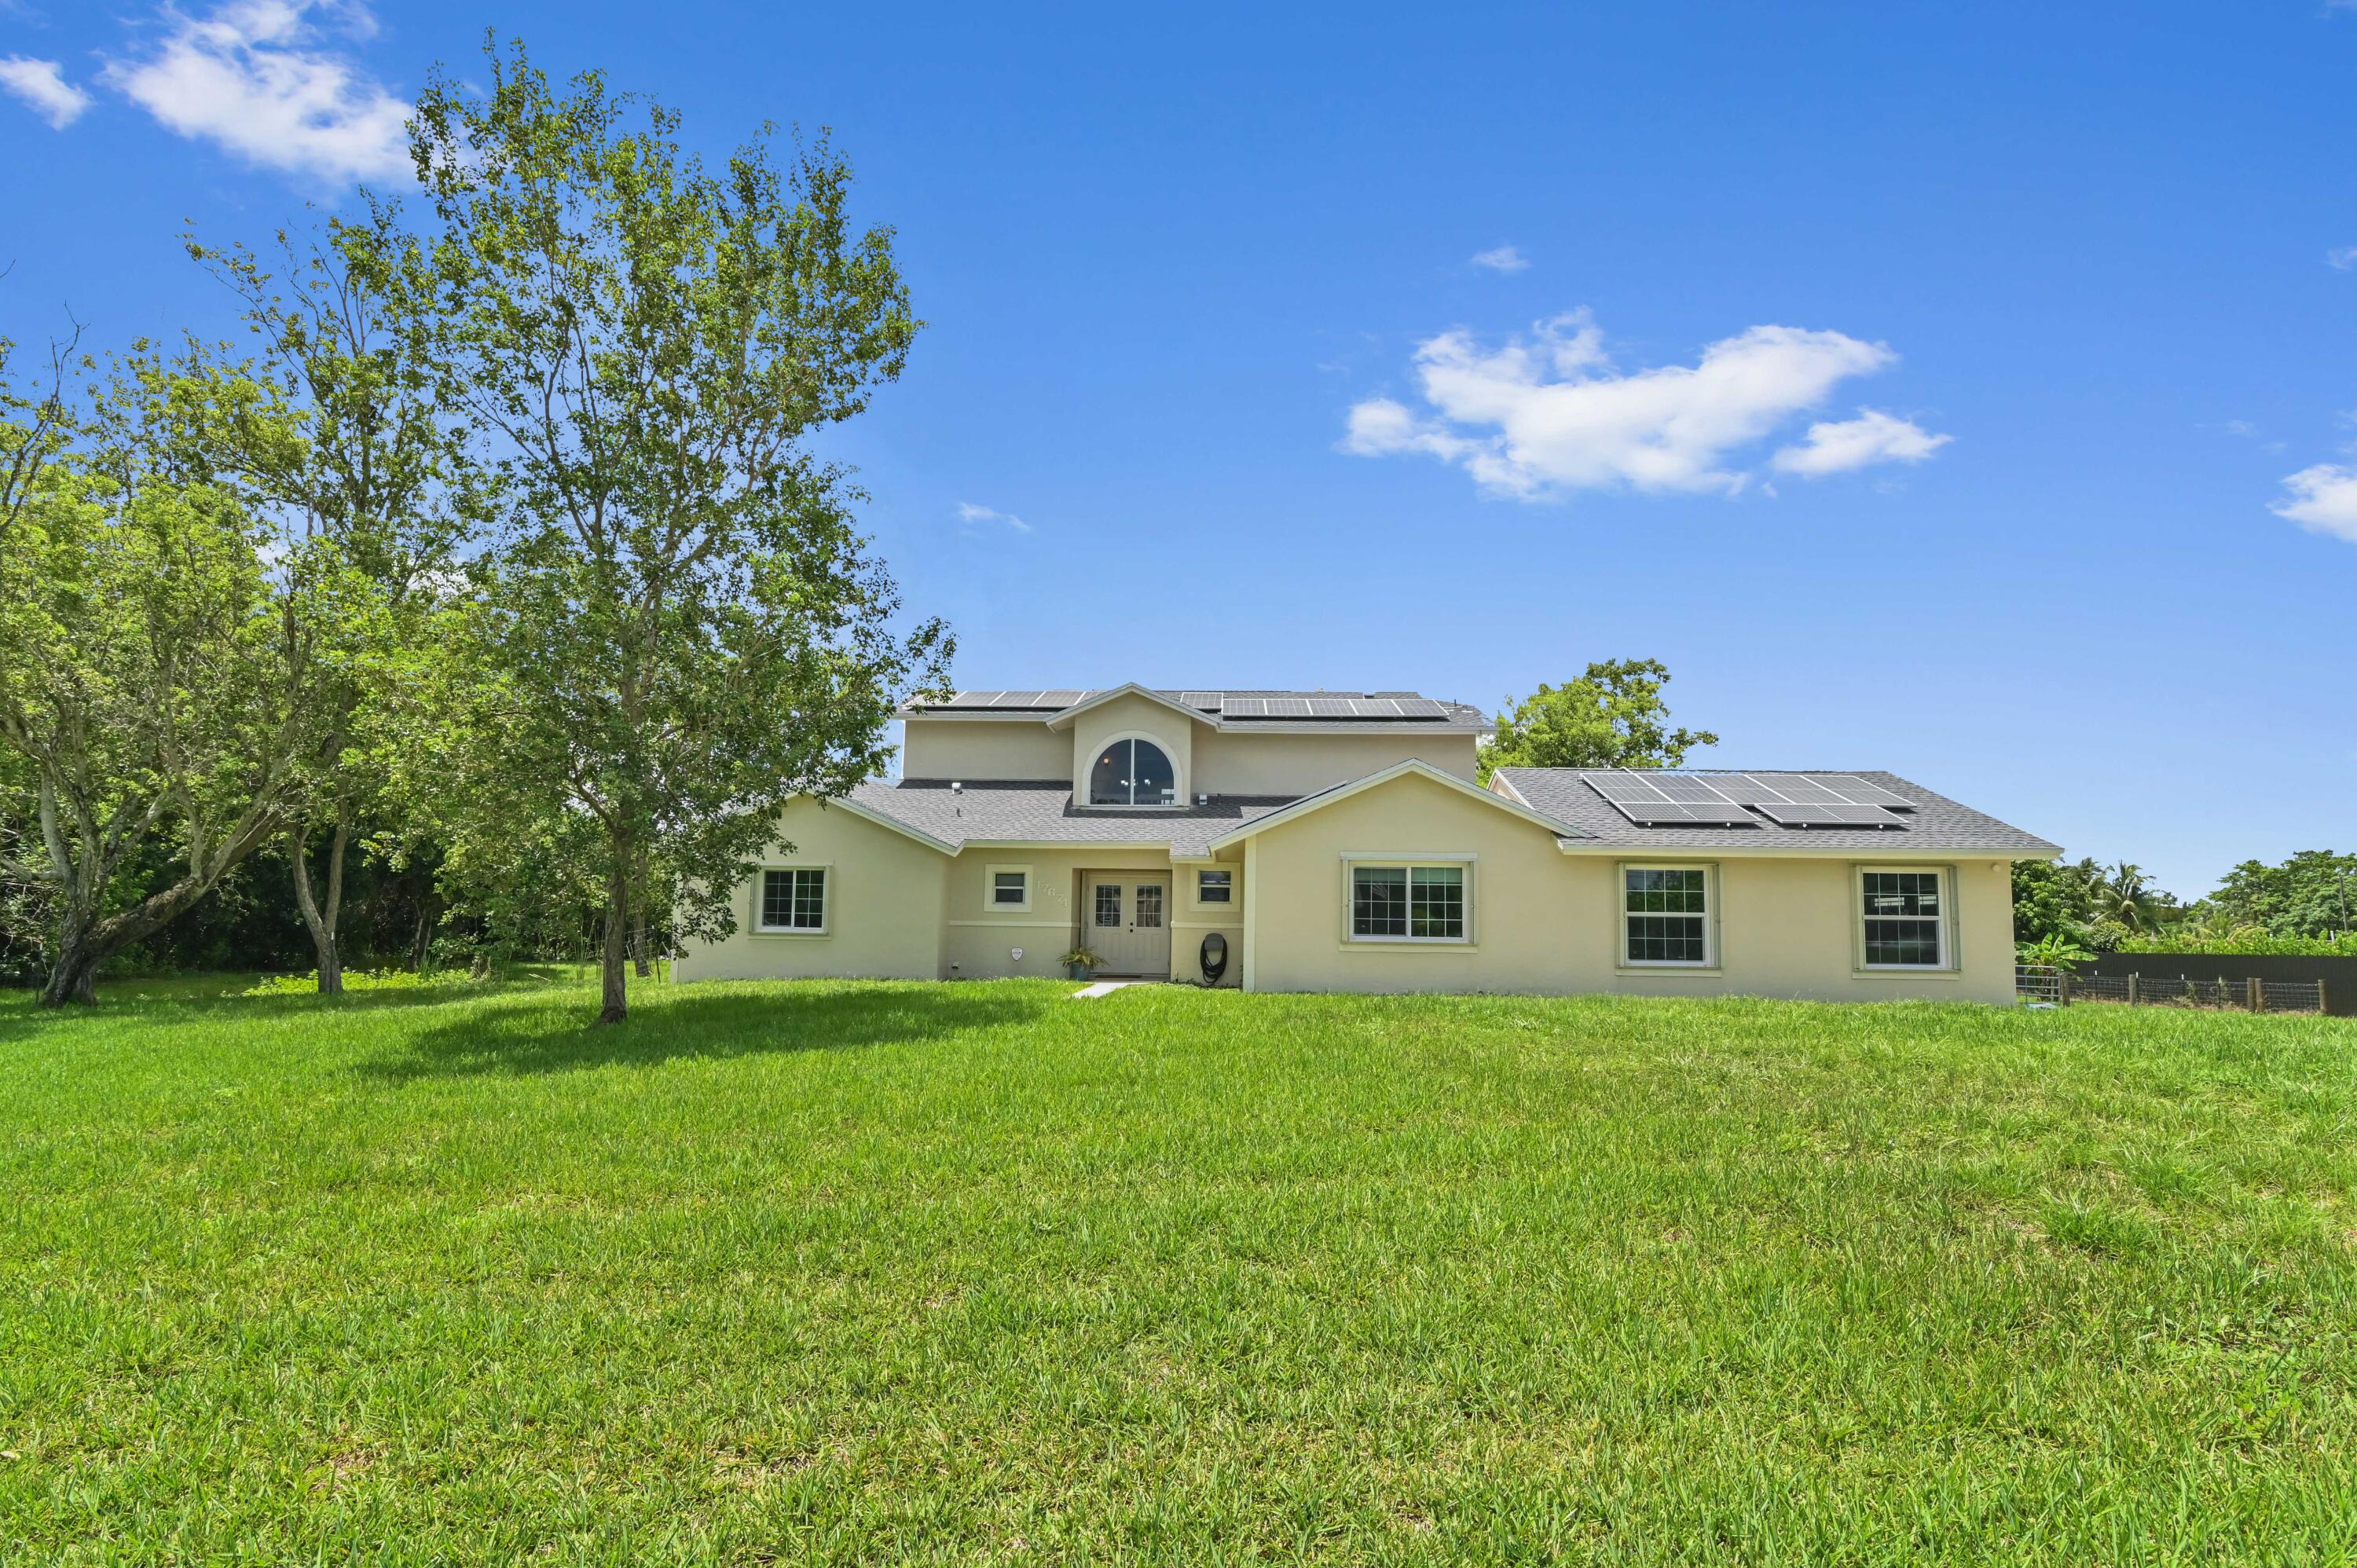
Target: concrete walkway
(1103,988)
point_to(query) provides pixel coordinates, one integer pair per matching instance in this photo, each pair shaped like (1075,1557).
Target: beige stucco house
(1338,841)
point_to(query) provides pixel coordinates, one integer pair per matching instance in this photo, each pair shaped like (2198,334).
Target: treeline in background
(2306,904)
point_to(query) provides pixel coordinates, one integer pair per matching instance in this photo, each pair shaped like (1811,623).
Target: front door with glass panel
(1128,922)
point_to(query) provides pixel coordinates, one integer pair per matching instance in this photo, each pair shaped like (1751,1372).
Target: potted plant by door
(1082,963)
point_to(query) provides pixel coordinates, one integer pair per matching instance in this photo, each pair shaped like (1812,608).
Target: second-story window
(1133,773)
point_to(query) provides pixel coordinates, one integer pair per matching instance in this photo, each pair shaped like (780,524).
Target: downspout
(1251,913)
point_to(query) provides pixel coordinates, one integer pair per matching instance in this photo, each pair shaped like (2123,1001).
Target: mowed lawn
(862,1273)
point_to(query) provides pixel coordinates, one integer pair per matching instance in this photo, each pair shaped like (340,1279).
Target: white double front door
(1127,921)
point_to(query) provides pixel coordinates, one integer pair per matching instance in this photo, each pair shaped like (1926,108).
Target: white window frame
(1944,924)
(990,904)
(1178,795)
(1621,913)
(826,899)
(1353,863)
(1229,902)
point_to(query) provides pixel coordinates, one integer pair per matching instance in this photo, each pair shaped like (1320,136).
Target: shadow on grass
(141,1003)
(553,1032)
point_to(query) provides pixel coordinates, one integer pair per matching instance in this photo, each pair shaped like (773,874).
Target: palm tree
(2125,896)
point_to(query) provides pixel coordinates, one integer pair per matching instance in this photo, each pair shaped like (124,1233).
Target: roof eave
(1782,848)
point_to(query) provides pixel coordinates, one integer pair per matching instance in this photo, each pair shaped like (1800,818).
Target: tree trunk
(617,924)
(83,945)
(73,977)
(639,964)
(323,918)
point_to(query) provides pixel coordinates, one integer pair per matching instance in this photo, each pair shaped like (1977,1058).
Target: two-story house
(1328,840)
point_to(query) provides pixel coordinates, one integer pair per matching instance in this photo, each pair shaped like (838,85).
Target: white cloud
(2343,257)
(1504,259)
(43,85)
(1835,446)
(969,512)
(253,77)
(1546,415)
(2324,498)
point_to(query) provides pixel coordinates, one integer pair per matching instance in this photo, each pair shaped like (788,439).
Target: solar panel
(1333,708)
(1619,786)
(1062,697)
(1694,791)
(1421,708)
(1645,799)
(973,698)
(1814,814)
(1865,793)
(1759,789)
(1670,813)
(1288,707)
(1245,707)
(1207,700)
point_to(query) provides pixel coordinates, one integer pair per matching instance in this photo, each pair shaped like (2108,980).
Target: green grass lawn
(867,1273)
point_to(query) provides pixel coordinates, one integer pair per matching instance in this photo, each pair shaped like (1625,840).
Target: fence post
(2257,991)
(2132,988)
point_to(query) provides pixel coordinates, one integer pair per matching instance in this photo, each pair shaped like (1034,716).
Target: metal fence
(2045,985)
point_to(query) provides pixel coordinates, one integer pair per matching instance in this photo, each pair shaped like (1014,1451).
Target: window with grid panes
(1407,903)
(793,900)
(1665,914)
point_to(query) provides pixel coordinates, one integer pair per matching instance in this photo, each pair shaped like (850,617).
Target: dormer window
(1133,773)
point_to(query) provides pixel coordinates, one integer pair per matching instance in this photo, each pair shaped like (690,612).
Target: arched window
(1133,773)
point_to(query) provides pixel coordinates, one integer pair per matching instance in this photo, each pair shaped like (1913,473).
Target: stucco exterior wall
(1194,921)
(1231,763)
(1210,761)
(982,749)
(884,906)
(980,941)
(1544,922)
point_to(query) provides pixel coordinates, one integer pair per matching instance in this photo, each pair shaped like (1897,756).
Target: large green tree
(679,627)
(1611,716)
(370,468)
(153,668)
(2310,894)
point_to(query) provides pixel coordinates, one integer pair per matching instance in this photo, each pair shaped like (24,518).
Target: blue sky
(1965,391)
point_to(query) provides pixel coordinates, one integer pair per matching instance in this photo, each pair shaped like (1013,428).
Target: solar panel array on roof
(1331,705)
(1652,800)
(1018,700)
(1864,792)
(1823,814)
(1799,788)
(1788,800)
(1820,800)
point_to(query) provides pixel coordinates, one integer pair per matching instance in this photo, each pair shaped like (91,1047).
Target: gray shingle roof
(1042,810)
(1936,823)
(1391,710)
